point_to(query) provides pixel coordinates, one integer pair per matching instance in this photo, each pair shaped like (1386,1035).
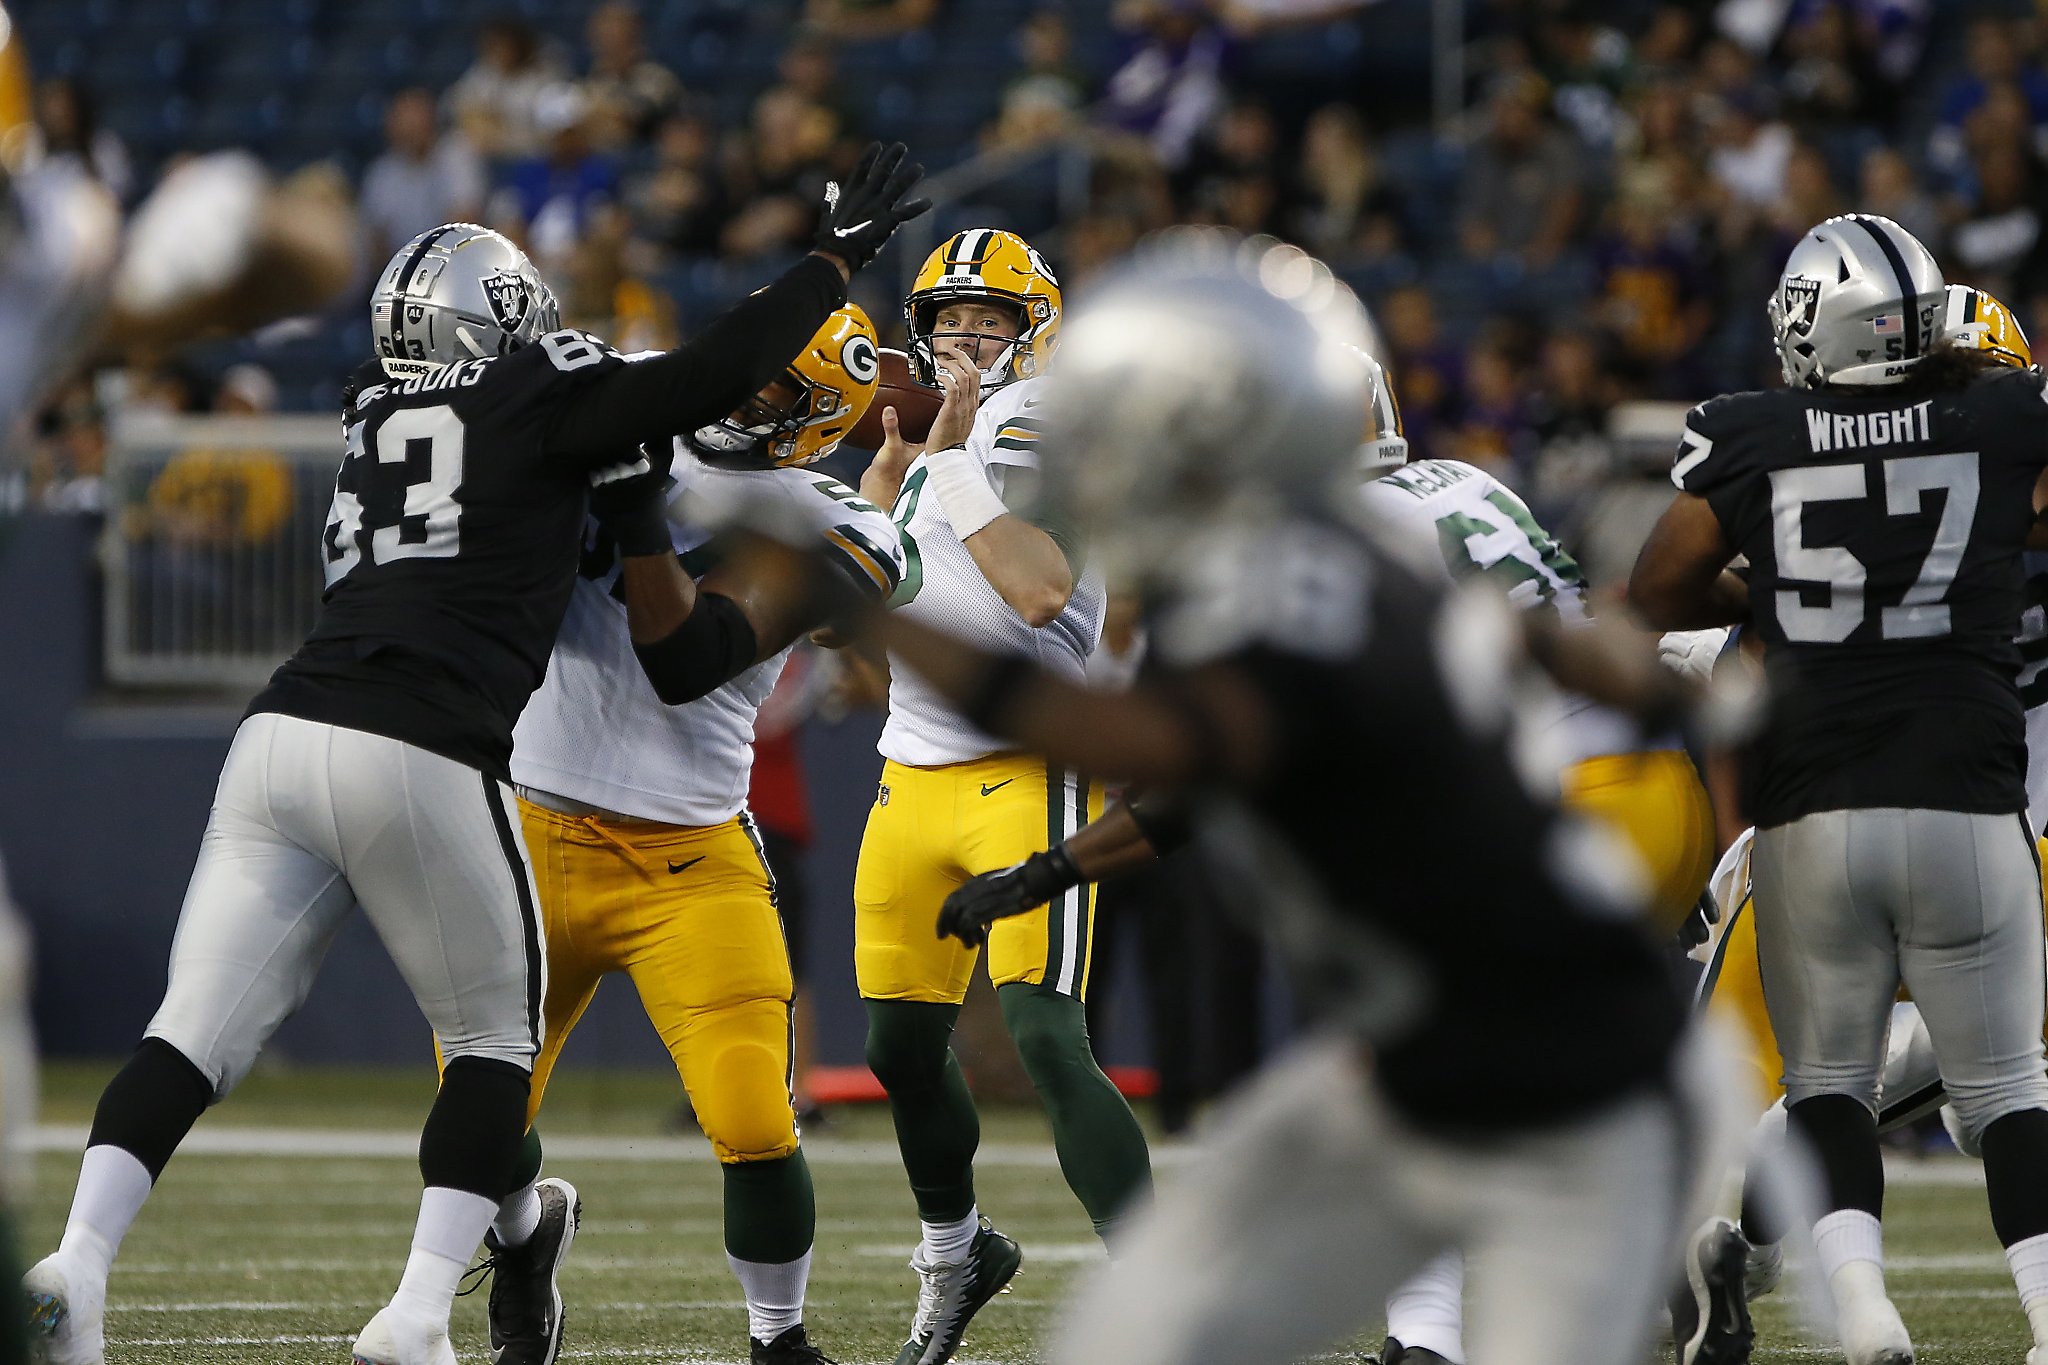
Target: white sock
(948,1242)
(775,1294)
(112,1188)
(1428,1311)
(2029,1262)
(1846,1236)
(451,1224)
(518,1217)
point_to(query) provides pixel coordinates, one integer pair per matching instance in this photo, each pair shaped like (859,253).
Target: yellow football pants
(933,828)
(690,915)
(1657,801)
(1738,990)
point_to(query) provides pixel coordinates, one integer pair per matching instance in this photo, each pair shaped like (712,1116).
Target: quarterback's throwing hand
(990,896)
(860,215)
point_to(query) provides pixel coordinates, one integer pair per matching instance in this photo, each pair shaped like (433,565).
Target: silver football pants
(1851,903)
(312,820)
(1311,1200)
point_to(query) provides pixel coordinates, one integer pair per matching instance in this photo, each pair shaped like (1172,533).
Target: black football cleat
(1394,1353)
(949,1294)
(1710,1312)
(789,1348)
(526,1295)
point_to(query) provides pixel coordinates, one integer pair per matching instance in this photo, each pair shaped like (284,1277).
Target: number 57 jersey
(1884,530)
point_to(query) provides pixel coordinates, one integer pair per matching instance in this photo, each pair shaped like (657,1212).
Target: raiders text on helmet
(1859,302)
(457,292)
(986,265)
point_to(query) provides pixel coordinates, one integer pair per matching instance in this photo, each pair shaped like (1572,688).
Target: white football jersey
(1475,526)
(596,732)
(943,588)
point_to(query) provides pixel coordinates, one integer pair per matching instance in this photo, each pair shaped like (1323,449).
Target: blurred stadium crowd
(1599,223)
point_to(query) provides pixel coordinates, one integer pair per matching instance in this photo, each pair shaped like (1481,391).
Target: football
(915,405)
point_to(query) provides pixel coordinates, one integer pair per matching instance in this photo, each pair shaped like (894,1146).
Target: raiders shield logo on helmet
(1802,299)
(509,298)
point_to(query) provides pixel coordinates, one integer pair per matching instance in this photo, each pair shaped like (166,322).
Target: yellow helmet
(17,113)
(1975,321)
(828,388)
(986,264)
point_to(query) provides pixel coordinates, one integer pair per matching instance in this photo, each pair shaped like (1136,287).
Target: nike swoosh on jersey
(686,866)
(987,790)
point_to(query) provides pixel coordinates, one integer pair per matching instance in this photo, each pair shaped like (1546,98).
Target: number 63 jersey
(450,549)
(1884,529)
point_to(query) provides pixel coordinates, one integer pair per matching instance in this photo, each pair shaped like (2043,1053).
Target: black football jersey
(450,551)
(1418,883)
(457,524)
(1884,536)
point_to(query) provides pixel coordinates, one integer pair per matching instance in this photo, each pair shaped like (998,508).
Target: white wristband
(964,490)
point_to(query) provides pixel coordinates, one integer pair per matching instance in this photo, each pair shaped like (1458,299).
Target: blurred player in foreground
(373,770)
(953,800)
(632,762)
(1883,500)
(1204,431)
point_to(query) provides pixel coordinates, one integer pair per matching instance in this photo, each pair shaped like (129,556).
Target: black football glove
(982,900)
(634,510)
(860,215)
(1697,927)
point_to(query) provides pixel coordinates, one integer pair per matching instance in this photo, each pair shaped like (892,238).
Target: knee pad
(1977,1107)
(909,1042)
(738,1076)
(1050,1031)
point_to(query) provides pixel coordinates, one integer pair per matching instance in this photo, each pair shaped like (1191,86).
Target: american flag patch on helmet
(1888,324)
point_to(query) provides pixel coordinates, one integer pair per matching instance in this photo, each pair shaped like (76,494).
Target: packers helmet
(1975,321)
(829,386)
(986,265)
(1386,443)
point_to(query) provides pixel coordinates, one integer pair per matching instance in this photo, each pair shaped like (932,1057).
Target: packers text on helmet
(986,265)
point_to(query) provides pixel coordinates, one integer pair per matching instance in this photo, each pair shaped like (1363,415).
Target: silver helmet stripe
(1910,300)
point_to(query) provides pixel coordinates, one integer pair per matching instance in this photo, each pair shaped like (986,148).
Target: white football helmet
(1859,302)
(457,292)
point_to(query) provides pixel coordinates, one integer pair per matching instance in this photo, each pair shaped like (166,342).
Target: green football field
(282,1226)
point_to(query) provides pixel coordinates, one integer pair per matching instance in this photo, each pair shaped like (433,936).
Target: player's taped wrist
(714,644)
(1045,875)
(963,489)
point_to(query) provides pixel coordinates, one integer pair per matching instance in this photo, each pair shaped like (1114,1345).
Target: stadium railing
(211,553)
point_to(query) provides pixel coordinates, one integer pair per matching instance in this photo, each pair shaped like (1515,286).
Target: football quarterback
(984,564)
(1883,500)
(1294,652)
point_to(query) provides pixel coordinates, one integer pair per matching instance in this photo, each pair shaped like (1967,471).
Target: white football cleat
(1873,1333)
(391,1340)
(66,1313)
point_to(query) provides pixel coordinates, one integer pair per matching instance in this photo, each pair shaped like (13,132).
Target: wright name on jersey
(944,588)
(1884,534)
(596,732)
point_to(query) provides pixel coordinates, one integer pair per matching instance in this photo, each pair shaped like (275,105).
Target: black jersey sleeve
(704,379)
(1710,448)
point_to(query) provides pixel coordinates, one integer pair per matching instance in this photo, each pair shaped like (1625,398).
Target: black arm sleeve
(714,644)
(703,379)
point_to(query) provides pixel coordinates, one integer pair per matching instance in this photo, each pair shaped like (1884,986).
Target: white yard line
(225,1140)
